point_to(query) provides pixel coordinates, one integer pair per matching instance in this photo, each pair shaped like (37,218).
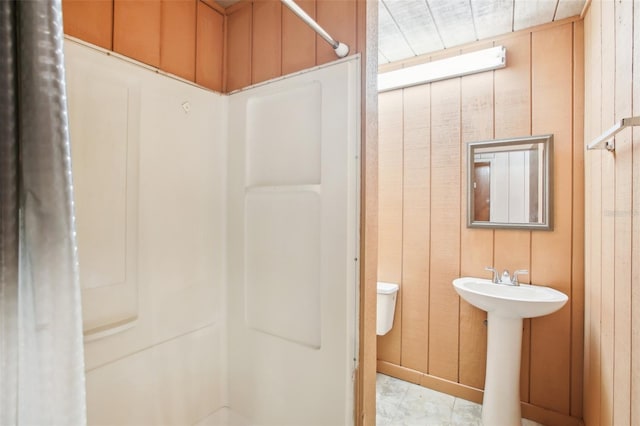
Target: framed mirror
(510,183)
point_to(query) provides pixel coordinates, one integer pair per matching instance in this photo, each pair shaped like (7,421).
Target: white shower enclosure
(218,244)
(293,247)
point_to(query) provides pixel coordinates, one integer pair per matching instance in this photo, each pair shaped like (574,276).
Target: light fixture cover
(469,63)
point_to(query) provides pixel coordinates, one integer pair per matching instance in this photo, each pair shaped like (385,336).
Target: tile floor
(401,403)
(224,417)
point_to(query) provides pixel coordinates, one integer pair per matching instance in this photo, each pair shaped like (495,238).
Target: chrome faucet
(494,278)
(514,279)
(505,278)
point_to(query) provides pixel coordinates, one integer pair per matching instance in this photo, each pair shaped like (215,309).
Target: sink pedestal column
(501,402)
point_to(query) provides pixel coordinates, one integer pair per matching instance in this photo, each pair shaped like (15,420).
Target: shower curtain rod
(341,49)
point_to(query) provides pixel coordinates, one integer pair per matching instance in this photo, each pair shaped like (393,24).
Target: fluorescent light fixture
(457,66)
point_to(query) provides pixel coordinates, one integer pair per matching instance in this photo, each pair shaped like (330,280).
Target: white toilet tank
(387,293)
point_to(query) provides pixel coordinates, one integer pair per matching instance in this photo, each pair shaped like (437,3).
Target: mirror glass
(510,182)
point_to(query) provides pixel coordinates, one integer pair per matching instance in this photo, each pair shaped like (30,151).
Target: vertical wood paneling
(512,89)
(608,218)
(338,19)
(551,251)
(91,21)
(210,45)
(593,187)
(445,228)
(177,43)
(588,246)
(416,231)
(592,402)
(476,245)
(390,129)
(612,306)
(390,212)
(280,43)
(298,40)
(239,48)
(635,248)
(263,41)
(481,107)
(161,33)
(512,249)
(136,30)
(577,272)
(365,389)
(266,50)
(623,216)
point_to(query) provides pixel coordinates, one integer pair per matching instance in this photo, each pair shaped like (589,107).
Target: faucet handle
(494,278)
(514,279)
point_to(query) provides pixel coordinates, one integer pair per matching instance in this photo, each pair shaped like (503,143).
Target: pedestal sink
(506,306)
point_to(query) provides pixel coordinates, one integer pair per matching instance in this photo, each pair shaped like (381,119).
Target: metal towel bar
(605,139)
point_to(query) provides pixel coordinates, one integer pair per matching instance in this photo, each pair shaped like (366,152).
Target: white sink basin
(523,301)
(506,306)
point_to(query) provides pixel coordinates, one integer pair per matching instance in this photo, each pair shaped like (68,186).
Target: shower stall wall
(217,243)
(293,247)
(149,171)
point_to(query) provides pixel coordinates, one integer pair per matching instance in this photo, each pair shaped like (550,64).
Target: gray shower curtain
(41,348)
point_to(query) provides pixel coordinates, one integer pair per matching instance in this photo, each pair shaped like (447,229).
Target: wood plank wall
(439,340)
(266,40)
(181,37)
(222,49)
(612,222)
(367,46)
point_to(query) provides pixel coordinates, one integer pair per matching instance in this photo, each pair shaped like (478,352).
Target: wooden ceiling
(408,28)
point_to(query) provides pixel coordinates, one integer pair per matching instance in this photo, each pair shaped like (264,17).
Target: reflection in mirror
(510,183)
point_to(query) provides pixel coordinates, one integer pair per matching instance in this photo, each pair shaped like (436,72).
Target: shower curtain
(41,352)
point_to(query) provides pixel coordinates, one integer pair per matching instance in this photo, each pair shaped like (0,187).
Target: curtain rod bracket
(341,49)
